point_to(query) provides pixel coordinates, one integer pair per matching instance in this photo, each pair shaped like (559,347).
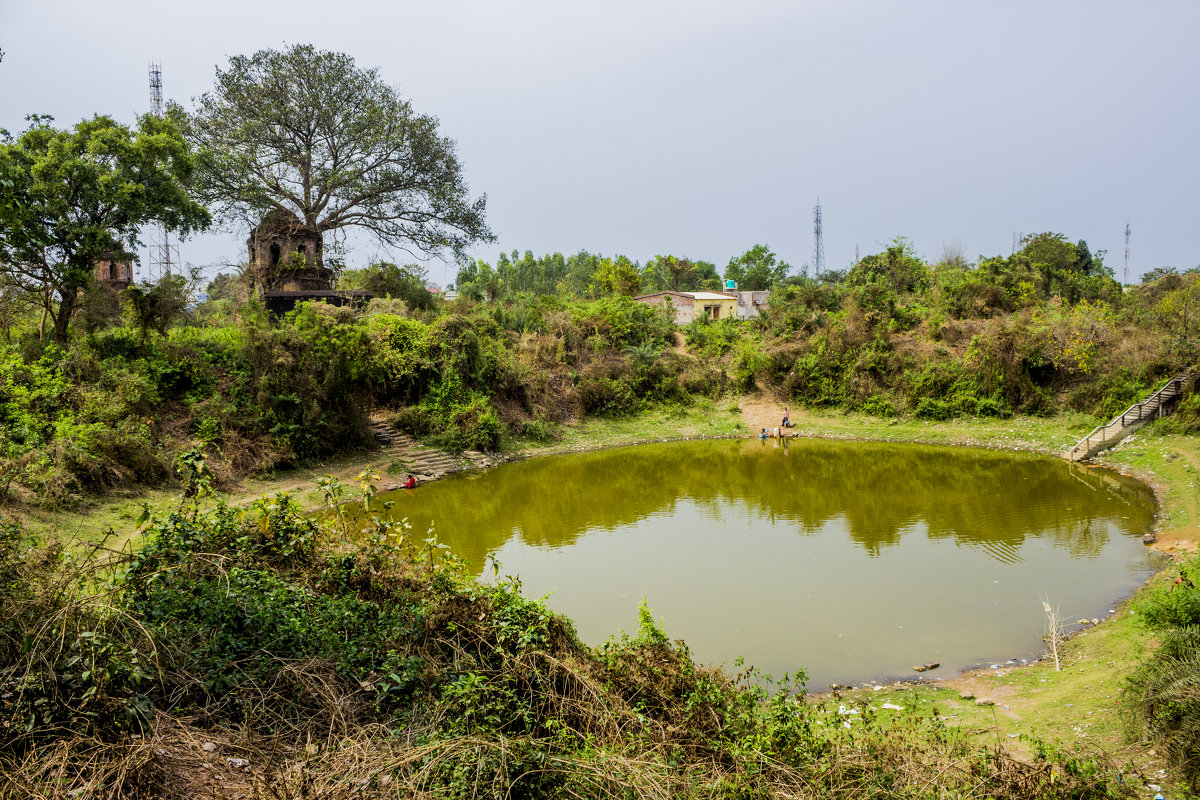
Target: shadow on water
(805,552)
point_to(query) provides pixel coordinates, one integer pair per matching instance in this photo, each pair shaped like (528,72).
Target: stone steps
(1160,404)
(426,463)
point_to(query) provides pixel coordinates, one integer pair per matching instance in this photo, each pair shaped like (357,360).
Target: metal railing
(1149,408)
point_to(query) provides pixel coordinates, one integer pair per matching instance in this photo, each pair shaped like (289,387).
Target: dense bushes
(1037,332)
(115,408)
(1012,335)
(1163,693)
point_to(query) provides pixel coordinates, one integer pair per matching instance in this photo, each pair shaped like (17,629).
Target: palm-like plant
(1163,695)
(645,352)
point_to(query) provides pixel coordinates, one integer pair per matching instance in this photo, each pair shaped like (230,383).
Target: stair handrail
(1175,383)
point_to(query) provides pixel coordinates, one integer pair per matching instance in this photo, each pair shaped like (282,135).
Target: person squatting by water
(787,421)
(763,435)
(409,483)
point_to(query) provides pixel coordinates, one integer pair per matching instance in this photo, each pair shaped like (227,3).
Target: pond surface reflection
(854,560)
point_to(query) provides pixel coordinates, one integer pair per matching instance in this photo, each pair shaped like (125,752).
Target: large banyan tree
(307,132)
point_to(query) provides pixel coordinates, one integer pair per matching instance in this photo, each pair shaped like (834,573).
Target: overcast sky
(701,128)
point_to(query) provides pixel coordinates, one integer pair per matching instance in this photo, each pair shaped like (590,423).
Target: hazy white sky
(701,128)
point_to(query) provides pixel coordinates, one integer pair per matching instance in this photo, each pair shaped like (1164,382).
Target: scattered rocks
(932,665)
(1149,538)
(983,701)
(920,667)
(209,747)
(965,695)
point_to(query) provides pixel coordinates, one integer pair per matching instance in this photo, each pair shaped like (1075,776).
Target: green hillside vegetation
(893,336)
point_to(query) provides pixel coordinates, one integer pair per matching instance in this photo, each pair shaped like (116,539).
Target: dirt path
(760,411)
(679,347)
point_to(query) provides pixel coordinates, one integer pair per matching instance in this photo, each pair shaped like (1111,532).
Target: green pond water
(853,560)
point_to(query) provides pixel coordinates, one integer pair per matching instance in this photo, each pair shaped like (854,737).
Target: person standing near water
(787,422)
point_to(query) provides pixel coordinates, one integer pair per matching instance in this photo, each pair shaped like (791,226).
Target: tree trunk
(66,307)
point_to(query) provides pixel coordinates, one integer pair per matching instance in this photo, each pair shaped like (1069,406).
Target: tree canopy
(385,279)
(309,132)
(680,274)
(898,267)
(616,276)
(76,197)
(757,269)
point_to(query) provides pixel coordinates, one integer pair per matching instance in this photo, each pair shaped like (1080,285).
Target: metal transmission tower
(818,241)
(1128,231)
(156,89)
(163,254)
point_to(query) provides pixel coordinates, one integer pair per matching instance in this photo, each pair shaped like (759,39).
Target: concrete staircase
(1159,404)
(426,463)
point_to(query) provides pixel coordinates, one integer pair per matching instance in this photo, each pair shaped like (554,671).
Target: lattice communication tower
(156,89)
(818,240)
(163,255)
(1128,231)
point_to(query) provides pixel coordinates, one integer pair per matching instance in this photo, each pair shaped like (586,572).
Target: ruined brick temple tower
(286,267)
(113,273)
(285,256)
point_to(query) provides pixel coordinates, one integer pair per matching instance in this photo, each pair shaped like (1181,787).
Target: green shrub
(238,617)
(539,430)
(748,361)
(878,406)
(991,407)
(469,426)
(931,408)
(1163,701)
(1173,606)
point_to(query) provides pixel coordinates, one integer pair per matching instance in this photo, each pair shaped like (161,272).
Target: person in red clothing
(409,483)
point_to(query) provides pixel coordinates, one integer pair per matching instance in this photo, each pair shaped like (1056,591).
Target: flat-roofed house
(688,306)
(750,303)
